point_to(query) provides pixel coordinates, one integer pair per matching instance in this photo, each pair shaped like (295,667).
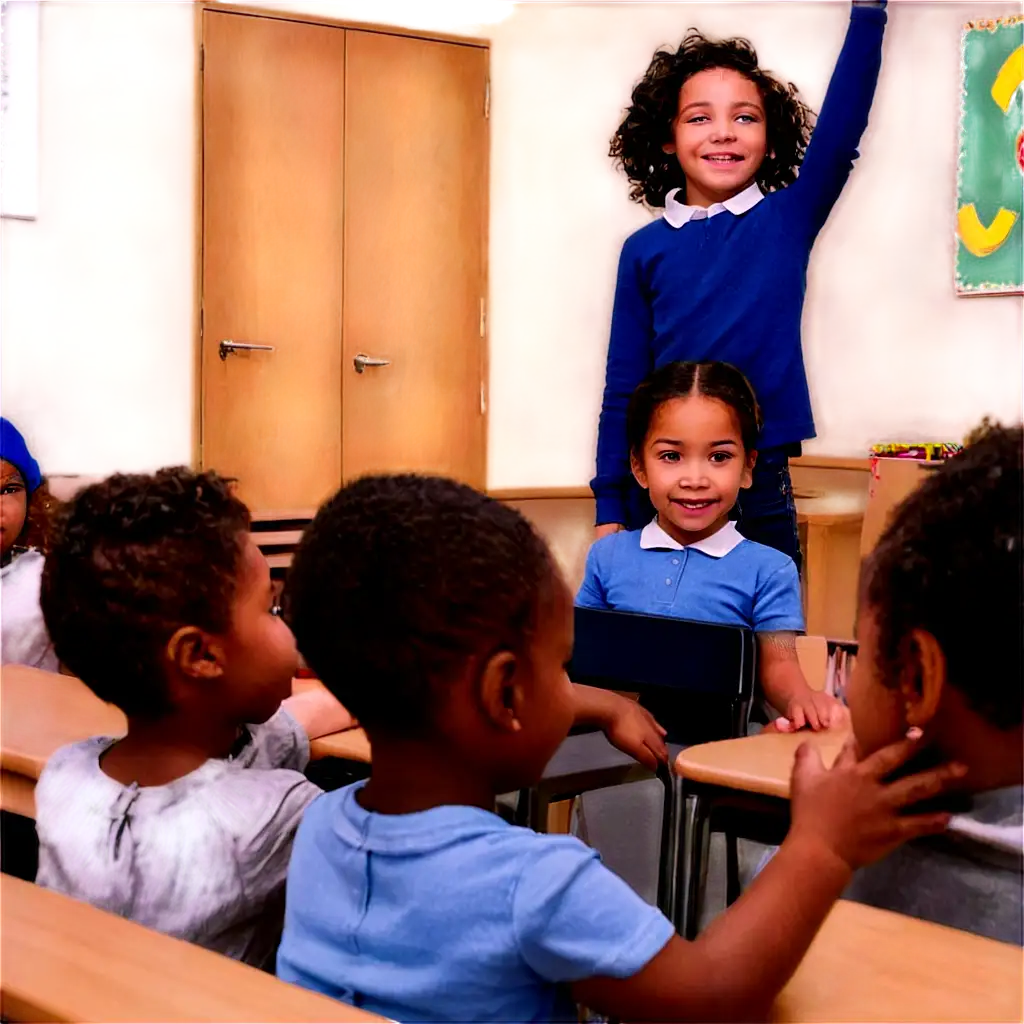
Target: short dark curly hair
(950,563)
(399,581)
(647,126)
(134,559)
(682,379)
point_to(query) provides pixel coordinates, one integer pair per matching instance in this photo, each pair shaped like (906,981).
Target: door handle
(227,347)
(361,362)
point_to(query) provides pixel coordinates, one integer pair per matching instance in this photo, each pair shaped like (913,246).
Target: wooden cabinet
(344,217)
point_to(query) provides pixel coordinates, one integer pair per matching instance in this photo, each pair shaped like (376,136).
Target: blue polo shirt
(452,914)
(723,578)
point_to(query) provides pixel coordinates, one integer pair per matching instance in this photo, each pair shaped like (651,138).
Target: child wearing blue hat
(24,512)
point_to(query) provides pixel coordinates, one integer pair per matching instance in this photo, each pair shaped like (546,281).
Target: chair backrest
(688,673)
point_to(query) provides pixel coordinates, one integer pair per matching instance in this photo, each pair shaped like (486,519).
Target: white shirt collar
(718,545)
(678,214)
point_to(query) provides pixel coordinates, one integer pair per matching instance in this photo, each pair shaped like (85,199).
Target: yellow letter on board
(978,239)
(1009,79)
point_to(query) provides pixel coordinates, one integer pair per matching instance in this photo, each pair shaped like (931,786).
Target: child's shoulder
(616,545)
(766,560)
(651,236)
(27,564)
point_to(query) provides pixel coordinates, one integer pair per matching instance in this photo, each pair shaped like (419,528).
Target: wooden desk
(831,525)
(41,712)
(755,764)
(67,961)
(873,965)
(742,786)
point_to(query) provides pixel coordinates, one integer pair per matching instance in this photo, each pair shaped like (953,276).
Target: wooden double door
(344,191)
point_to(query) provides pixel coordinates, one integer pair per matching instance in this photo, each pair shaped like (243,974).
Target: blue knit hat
(14,450)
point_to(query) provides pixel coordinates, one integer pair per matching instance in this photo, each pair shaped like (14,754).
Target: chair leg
(732,868)
(668,864)
(696,840)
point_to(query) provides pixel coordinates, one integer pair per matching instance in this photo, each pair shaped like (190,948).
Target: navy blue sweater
(731,287)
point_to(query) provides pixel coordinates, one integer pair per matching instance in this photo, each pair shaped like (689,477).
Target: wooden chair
(700,676)
(67,961)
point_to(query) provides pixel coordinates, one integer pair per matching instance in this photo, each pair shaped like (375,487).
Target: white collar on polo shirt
(653,538)
(678,214)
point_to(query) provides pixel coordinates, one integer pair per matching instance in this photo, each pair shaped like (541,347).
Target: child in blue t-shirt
(722,274)
(437,614)
(692,429)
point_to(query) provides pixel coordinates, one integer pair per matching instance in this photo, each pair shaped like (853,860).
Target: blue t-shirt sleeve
(629,361)
(592,593)
(575,919)
(777,605)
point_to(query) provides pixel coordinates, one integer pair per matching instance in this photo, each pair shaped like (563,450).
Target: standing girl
(692,430)
(25,507)
(722,274)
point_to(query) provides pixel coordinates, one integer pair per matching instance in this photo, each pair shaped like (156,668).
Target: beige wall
(96,301)
(97,293)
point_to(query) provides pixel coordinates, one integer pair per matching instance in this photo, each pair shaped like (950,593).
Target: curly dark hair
(682,379)
(399,580)
(134,559)
(647,126)
(950,563)
(39,518)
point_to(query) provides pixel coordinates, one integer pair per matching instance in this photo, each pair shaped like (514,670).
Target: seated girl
(25,506)
(692,430)
(940,632)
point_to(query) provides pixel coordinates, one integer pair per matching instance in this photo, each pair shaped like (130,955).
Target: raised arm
(843,118)
(629,361)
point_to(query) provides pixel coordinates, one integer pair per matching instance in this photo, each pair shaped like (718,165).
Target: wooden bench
(67,961)
(40,712)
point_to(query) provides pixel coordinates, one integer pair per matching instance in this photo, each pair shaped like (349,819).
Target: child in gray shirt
(157,598)
(940,633)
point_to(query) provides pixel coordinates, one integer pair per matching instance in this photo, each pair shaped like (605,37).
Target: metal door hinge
(483,318)
(483,400)
(487,99)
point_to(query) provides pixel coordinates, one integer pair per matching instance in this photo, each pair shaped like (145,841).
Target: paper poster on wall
(19,108)
(990,166)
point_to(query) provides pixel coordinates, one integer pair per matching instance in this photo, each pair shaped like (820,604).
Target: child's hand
(634,731)
(607,529)
(851,813)
(814,710)
(318,712)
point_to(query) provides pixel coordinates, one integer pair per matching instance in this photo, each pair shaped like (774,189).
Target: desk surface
(755,764)
(41,712)
(873,965)
(832,507)
(110,969)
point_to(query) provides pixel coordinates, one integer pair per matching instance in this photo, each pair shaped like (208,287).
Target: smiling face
(693,463)
(719,135)
(13,506)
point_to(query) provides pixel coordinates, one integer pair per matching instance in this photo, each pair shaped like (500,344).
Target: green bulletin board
(990,166)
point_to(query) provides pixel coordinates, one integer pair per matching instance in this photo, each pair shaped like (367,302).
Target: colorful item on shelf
(926,451)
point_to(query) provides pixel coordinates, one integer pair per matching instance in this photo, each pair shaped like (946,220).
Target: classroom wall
(96,349)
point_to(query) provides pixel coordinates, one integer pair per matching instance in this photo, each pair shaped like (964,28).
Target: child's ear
(501,695)
(637,466)
(195,654)
(668,147)
(923,678)
(750,460)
